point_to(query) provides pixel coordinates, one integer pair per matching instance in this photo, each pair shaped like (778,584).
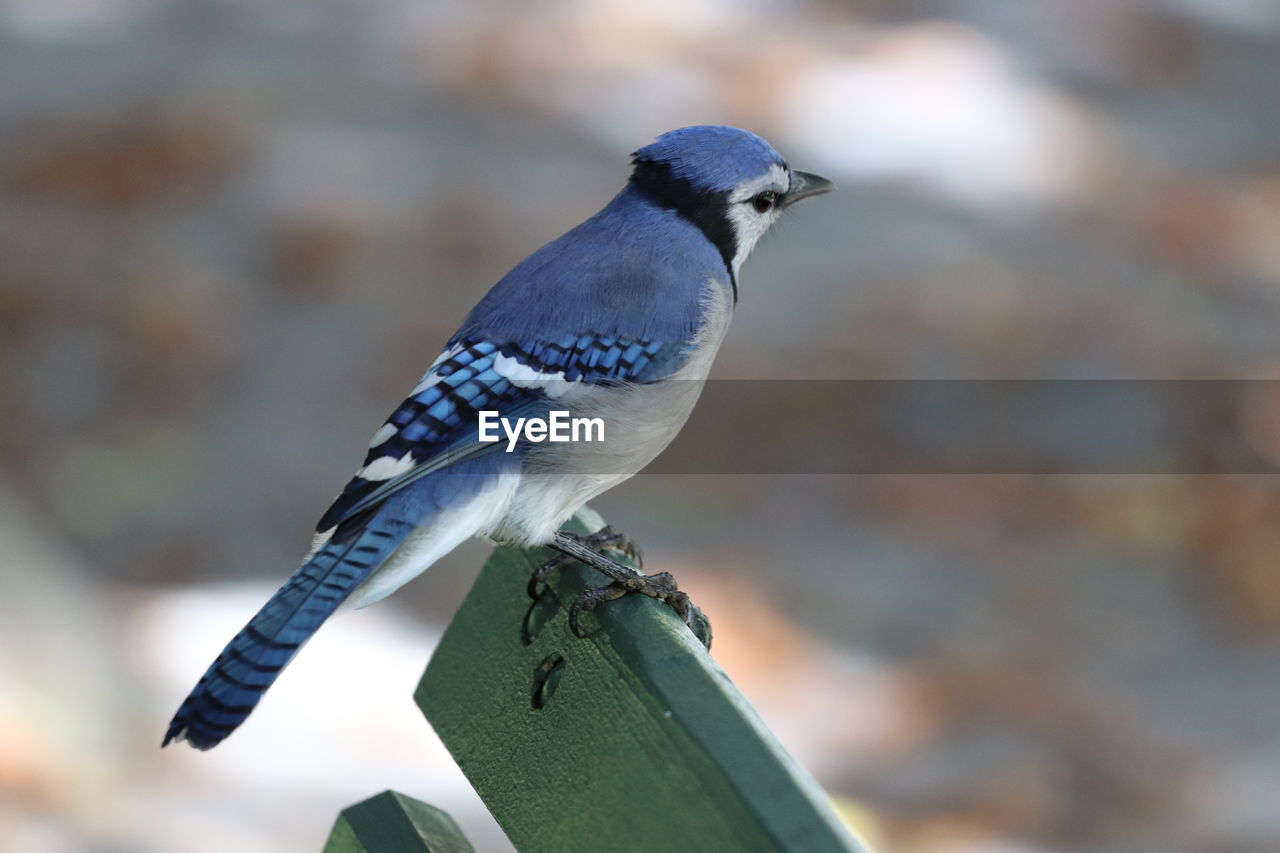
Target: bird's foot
(623,580)
(661,586)
(604,539)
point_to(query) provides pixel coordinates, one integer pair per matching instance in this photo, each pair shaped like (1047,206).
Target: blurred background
(232,235)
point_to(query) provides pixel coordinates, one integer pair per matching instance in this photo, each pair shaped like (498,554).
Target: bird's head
(728,182)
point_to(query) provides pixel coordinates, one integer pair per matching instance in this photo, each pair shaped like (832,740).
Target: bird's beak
(804,185)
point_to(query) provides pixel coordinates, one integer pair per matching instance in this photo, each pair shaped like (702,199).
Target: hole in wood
(546,677)
(542,609)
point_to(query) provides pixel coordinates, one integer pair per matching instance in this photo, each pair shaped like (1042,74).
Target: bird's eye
(764,202)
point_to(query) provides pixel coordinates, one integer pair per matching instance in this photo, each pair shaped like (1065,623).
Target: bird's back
(634,270)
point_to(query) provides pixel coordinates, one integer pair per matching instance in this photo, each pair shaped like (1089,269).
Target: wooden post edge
(631,739)
(393,823)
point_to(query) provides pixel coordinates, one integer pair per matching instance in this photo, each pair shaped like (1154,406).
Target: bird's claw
(604,539)
(623,580)
(661,587)
(608,539)
(538,580)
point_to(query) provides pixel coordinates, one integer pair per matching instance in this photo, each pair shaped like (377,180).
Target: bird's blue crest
(712,158)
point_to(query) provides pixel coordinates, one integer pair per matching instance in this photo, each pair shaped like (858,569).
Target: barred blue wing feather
(437,424)
(596,358)
(231,687)
(433,430)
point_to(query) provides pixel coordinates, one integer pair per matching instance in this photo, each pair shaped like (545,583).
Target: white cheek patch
(521,375)
(748,223)
(386,467)
(748,227)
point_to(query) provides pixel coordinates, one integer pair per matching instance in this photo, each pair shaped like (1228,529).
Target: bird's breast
(637,421)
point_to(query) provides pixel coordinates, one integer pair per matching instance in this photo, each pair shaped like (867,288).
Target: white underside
(429,543)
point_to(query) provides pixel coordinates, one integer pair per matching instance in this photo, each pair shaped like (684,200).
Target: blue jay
(620,318)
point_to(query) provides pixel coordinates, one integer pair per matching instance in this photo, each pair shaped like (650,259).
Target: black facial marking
(707,210)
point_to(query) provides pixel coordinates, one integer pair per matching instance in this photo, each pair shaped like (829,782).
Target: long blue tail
(231,687)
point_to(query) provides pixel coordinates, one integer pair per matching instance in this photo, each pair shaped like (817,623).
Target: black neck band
(705,210)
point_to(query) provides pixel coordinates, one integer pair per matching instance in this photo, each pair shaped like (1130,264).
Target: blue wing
(433,429)
(596,358)
(436,426)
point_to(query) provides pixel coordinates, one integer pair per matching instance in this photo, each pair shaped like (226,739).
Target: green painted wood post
(393,822)
(632,739)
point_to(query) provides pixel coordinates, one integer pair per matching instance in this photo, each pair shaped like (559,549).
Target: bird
(619,319)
